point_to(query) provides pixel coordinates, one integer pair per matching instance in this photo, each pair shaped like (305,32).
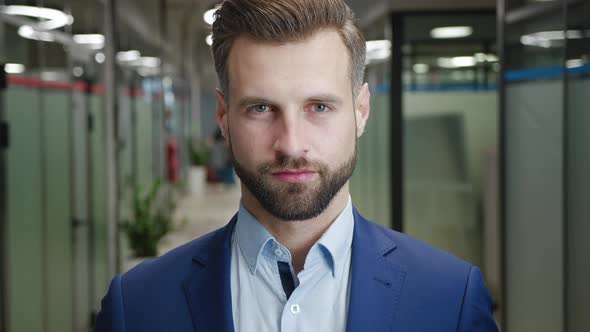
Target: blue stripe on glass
(544,73)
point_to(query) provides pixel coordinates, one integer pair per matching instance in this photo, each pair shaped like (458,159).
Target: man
(297,256)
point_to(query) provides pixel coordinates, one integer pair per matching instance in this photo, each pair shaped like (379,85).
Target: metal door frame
(3,197)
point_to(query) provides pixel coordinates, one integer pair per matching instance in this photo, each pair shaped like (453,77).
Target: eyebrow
(324,98)
(248,101)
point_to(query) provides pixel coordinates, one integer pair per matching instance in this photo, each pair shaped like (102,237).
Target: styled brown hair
(285,21)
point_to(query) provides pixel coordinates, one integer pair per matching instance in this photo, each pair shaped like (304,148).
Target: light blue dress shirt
(320,300)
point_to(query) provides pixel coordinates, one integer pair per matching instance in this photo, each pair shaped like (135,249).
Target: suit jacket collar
(375,281)
(208,287)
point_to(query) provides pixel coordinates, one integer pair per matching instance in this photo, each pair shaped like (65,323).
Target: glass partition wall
(545,126)
(50,76)
(55,193)
(428,161)
(449,115)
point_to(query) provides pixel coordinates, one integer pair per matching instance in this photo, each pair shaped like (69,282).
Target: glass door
(88,224)
(577,161)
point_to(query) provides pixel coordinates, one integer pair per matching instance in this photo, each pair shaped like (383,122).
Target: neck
(297,236)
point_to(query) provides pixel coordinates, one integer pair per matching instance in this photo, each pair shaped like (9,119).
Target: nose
(290,137)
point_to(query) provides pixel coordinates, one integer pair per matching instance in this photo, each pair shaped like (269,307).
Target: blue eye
(320,108)
(260,108)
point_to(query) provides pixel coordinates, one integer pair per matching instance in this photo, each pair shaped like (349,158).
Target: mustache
(290,163)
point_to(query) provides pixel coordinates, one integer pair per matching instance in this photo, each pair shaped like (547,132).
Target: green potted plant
(149,224)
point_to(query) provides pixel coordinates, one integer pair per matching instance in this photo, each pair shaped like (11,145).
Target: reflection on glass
(450,119)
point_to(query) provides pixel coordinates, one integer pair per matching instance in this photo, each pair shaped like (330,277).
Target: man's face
(291,122)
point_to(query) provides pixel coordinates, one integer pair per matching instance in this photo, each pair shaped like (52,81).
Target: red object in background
(172,159)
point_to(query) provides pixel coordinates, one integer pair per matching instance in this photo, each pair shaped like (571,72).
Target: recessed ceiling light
(209,39)
(209,15)
(451,32)
(53,18)
(99,57)
(78,71)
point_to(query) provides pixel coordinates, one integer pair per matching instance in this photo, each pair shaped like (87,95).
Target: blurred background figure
(220,161)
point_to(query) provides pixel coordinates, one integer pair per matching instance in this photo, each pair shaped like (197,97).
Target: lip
(295,176)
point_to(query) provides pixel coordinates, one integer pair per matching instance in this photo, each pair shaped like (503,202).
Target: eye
(260,108)
(320,108)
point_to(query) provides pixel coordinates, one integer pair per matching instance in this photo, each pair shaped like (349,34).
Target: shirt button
(295,309)
(278,252)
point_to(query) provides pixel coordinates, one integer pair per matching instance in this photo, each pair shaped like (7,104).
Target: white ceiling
(186,28)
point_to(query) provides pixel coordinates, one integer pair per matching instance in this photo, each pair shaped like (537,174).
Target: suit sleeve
(477,308)
(112,317)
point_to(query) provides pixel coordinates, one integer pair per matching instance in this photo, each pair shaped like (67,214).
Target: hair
(285,21)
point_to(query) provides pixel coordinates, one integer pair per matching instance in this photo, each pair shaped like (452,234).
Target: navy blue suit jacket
(397,284)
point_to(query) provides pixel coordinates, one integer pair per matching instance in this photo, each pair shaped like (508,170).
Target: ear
(362,109)
(222,115)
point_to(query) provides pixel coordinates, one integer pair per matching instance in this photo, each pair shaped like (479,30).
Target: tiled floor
(201,213)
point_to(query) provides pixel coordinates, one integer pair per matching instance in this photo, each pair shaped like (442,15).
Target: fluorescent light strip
(457,62)
(574,63)
(547,39)
(14,68)
(89,39)
(128,56)
(149,62)
(377,50)
(451,32)
(421,68)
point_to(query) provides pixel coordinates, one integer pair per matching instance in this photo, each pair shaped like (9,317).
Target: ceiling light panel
(451,32)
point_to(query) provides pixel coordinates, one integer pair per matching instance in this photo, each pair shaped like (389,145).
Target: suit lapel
(208,287)
(375,281)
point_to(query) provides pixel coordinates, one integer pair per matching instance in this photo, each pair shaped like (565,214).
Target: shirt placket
(292,308)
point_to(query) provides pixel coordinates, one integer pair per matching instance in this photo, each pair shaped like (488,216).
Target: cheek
(248,144)
(335,142)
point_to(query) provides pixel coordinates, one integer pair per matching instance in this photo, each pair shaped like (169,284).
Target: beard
(295,201)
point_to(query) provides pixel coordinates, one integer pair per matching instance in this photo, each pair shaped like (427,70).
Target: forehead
(318,64)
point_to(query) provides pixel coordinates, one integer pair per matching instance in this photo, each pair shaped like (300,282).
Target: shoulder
(416,256)
(176,264)
(436,284)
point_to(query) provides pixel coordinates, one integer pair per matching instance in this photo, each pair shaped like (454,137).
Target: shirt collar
(337,240)
(252,238)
